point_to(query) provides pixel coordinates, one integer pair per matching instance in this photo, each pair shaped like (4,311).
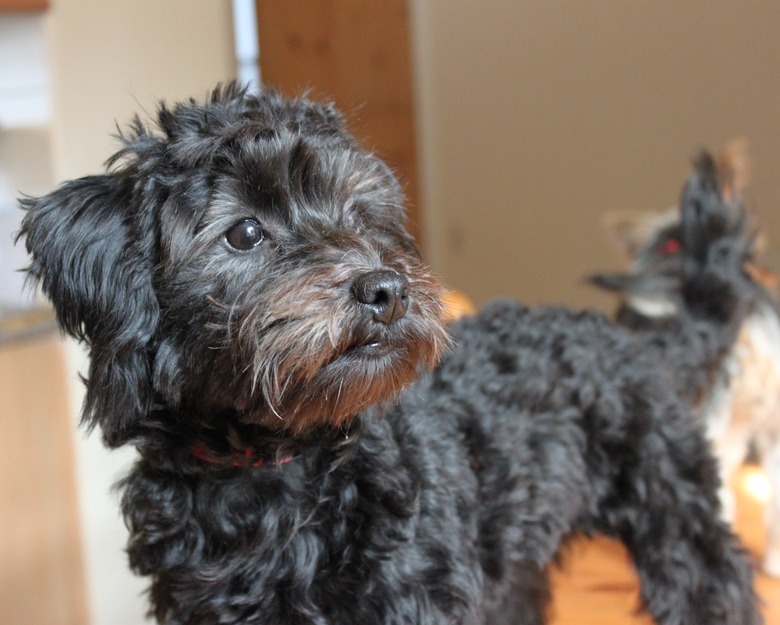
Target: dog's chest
(316,540)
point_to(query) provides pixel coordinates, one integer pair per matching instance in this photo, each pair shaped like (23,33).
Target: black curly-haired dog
(312,451)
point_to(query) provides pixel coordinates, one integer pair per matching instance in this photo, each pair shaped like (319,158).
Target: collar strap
(247,459)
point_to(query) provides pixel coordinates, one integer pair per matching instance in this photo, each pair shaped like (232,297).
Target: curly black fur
(383,494)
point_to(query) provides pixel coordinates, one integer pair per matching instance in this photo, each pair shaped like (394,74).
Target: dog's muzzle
(385,293)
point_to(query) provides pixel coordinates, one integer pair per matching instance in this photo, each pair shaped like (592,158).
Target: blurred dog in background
(743,406)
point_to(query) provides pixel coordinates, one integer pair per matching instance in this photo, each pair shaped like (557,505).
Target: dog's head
(654,243)
(244,259)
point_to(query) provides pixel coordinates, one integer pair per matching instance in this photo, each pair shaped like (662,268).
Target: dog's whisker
(338,393)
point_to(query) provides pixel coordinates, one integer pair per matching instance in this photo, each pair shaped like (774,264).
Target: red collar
(248,459)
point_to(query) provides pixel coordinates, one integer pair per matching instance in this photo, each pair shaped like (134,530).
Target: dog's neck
(652,307)
(226,443)
(248,458)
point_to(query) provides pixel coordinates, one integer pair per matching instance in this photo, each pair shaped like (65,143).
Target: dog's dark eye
(244,235)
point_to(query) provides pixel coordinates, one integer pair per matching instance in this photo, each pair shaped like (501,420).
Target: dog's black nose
(386,293)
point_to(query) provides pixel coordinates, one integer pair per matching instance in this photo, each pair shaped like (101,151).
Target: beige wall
(113,59)
(110,60)
(538,116)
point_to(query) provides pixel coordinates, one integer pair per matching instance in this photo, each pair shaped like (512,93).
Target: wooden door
(23,5)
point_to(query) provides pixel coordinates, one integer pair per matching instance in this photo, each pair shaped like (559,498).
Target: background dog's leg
(729,449)
(772,552)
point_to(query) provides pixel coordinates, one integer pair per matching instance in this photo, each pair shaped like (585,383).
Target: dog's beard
(307,355)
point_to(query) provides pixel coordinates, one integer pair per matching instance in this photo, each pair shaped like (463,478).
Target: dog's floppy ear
(92,254)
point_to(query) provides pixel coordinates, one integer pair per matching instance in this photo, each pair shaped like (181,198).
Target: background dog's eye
(670,247)
(244,235)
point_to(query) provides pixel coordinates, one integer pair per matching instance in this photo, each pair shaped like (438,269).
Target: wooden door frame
(356,53)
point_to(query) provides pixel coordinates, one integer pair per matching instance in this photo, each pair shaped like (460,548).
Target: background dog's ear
(733,167)
(631,231)
(93,256)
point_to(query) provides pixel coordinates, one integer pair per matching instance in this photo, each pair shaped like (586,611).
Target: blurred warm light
(754,482)
(457,305)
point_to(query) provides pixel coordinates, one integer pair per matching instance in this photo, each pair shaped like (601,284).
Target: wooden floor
(41,577)
(598,587)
